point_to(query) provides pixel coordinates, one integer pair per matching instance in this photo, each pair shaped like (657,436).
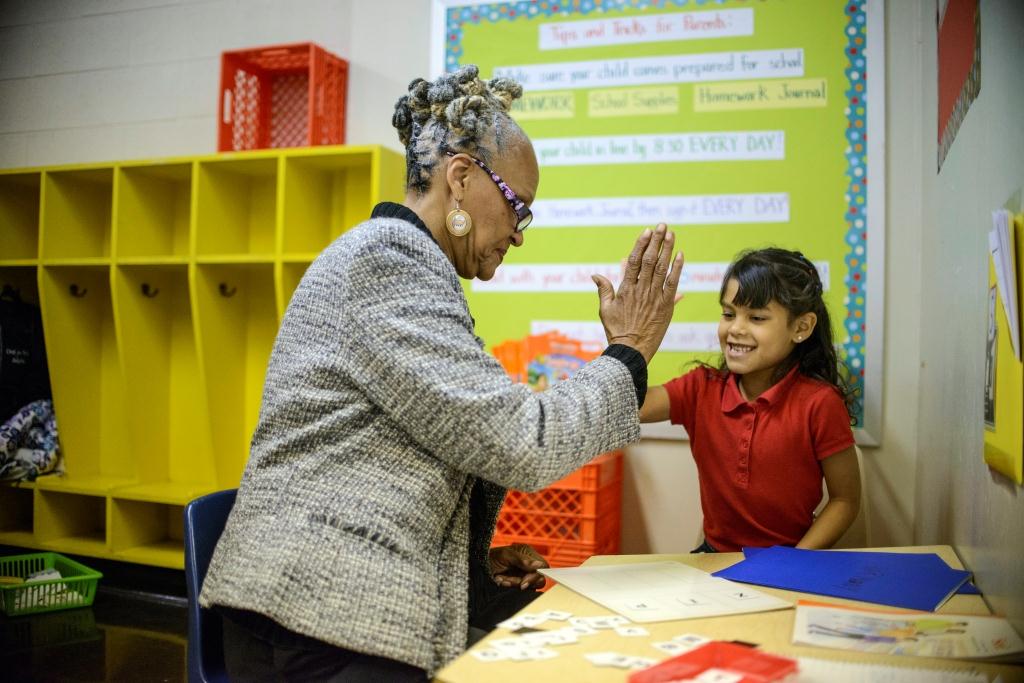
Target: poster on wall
(959,59)
(741,124)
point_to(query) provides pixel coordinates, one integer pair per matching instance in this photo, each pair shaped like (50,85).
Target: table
(770,630)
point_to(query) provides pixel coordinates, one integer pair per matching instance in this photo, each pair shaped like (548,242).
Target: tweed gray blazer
(381,412)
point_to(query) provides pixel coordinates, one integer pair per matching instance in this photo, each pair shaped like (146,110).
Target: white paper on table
(663,591)
(1000,245)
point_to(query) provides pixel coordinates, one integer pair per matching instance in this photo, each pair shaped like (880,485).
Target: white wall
(960,501)
(94,80)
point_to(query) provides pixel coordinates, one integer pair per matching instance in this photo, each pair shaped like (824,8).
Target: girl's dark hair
(791,280)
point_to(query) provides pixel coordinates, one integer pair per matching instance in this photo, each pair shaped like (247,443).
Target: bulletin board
(741,124)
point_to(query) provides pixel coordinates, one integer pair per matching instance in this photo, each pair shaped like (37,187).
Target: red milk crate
(281,96)
(572,519)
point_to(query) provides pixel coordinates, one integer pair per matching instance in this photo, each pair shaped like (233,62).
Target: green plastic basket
(75,588)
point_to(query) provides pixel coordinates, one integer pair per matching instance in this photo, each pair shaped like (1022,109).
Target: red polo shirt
(758,462)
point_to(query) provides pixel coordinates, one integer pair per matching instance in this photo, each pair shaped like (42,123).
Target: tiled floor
(135,631)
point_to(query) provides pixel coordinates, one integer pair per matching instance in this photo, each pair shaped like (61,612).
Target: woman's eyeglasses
(523,214)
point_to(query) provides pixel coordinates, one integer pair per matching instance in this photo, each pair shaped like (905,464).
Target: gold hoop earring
(458,222)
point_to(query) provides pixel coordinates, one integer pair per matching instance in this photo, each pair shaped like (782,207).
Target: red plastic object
(572,519)
(281,96)
(753,665)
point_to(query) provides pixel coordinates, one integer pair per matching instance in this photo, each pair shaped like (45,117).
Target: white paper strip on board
(711,209)
(746,145)
(576,277)
(686,68)
(561,35)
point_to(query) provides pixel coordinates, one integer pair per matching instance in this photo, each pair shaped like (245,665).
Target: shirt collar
(393,210)
(732,398)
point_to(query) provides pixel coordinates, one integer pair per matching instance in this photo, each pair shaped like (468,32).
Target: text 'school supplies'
(910,580)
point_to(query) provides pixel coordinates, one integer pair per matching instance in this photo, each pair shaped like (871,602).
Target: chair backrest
(204,522)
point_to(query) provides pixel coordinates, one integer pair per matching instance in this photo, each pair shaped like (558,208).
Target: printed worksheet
(922,634)
(663,591)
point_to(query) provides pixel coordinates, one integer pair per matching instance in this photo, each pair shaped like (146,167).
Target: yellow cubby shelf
(75,218)
(71,522)
(236,207)
(16,514)
(147,533)
(153,210)
(162,284)
(236,258)
(22,279)
(19,215)
(236,325)
(289,275)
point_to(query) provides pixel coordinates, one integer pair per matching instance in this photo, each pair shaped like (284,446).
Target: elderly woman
(358,548)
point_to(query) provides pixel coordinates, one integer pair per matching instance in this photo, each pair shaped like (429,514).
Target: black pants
(257,649)
(704,547)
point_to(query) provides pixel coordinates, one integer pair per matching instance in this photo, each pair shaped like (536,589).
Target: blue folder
(910,580)
(967,588)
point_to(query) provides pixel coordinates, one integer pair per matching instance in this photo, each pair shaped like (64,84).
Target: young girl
(773,418)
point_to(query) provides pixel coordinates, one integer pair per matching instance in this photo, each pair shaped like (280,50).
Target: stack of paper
(1000,244)
(911,580)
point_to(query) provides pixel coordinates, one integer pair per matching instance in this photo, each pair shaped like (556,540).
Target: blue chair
(204,522)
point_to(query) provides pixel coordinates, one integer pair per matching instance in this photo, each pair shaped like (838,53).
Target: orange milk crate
(572,519)
(281,96)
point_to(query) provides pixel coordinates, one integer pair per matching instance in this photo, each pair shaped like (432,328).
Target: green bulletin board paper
(741,124)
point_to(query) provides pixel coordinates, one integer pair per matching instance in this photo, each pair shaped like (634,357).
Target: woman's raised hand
(639,313)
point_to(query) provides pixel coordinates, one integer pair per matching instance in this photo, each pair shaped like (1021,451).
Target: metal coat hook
(77,292)
(225,291)
(148,291)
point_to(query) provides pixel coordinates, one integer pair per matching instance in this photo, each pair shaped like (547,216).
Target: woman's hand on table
(517,565)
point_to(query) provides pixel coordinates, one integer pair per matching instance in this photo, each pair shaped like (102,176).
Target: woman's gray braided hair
(457,112)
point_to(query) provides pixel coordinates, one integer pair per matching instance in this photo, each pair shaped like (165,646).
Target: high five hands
(638,314)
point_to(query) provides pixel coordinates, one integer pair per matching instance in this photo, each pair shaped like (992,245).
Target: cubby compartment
(236,209)
(19,216)
(291,275)
(16,515)
(86,378)
(71,523)
(166,416)
(20,282)
(324,195)
(76,214)
(154,203)
(145,532)
(237,322)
